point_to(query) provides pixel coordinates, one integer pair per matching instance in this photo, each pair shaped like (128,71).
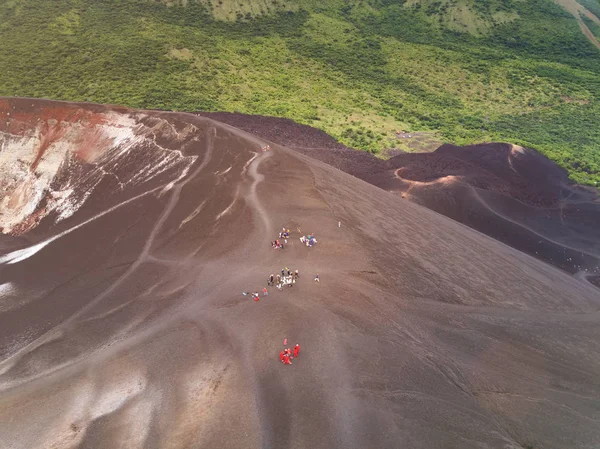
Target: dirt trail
(253,197)
(576,8)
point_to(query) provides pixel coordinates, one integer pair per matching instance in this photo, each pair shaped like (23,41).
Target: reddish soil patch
(42,183)
(51,124)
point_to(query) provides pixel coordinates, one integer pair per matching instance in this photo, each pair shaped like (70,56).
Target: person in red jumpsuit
(281,354)
(296,351)
(286,359)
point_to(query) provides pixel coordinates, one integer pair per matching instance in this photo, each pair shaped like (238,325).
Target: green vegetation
(463,70)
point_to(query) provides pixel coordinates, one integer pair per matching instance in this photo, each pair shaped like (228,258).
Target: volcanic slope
(508,192)
(123,324)
(513,194)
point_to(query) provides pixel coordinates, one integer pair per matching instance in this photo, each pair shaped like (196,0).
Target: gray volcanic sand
(129,327)
(510,193)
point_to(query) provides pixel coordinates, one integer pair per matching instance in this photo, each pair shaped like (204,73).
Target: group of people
(277,244)
(283,236)
(287,354)
(308,240)
(255,295)
(287,277)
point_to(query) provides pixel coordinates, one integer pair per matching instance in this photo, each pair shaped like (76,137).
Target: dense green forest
(460,71)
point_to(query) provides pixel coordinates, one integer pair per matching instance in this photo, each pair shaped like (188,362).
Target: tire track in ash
(57,331)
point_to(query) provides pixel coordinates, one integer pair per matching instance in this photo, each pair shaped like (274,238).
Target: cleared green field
(458,70)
